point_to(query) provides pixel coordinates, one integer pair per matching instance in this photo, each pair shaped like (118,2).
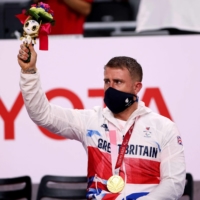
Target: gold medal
(115,184)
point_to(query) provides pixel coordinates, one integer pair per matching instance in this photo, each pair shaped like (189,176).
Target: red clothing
(67,20)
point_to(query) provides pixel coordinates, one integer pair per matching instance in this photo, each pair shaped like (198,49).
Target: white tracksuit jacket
(154,163)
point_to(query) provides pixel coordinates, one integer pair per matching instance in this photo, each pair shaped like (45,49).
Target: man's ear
(137,87)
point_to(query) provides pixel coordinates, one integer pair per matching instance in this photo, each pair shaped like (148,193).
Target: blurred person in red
(69,15)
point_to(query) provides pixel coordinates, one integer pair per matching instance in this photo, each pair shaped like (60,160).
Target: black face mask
(118,101)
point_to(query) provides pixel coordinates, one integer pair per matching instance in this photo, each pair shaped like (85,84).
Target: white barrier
(171,68)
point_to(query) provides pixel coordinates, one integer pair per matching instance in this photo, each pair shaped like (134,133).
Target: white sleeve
(66,122)
(172,168)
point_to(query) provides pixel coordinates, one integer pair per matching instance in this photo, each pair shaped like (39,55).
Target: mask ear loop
(135,98)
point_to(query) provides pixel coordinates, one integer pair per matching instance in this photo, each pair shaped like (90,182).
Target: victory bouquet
(37,22)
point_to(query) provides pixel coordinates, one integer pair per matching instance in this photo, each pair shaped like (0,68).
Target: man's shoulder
(158,117)
(152,114)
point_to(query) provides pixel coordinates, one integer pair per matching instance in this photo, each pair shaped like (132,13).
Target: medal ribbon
(116,183)
(122,150)
(123,147)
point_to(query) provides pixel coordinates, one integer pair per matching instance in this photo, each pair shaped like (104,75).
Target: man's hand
(30,67)
(35,1)
(80,6)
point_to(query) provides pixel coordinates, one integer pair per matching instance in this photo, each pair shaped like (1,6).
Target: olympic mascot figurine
(31,29)
(37,23)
